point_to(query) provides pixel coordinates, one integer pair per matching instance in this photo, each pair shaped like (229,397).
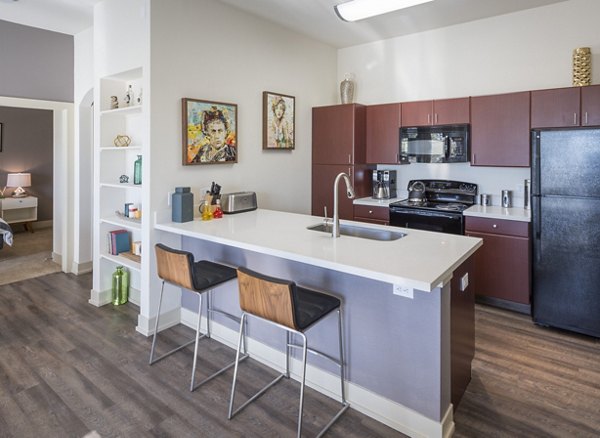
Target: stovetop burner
(429,205)
(448,196)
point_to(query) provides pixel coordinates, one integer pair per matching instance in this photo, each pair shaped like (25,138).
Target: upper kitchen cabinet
(436,112)
(566,107)
(338,134)
(500,130)
(383,133)
(590,105)
(556,108)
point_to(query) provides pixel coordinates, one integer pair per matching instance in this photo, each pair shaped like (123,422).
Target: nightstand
(19,210)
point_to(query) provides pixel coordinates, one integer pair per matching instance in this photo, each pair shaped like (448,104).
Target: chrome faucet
(335,227)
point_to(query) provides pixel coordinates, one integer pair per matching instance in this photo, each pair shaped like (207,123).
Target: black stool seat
(206,274)
(310,306)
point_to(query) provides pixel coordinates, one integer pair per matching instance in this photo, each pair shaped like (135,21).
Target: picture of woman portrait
(278,121)
(210,135)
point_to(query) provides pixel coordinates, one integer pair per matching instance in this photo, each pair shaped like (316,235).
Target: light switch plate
(403,291)
(464,282)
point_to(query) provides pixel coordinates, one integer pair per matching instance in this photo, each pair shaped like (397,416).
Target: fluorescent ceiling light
(355,10)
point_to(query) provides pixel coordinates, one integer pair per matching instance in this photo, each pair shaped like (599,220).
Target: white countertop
(422,260)
(496,212)
(375,202)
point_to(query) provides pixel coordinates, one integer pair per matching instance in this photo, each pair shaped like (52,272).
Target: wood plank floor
(67,368)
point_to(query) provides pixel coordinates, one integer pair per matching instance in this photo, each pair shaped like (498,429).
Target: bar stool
(178,268)
(295,309)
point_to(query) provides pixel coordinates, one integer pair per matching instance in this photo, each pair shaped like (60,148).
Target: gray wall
(35,63)
(27,146)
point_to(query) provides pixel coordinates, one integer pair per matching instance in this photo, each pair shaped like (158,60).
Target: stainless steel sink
(364,233)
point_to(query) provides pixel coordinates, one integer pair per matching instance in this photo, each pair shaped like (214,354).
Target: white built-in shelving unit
(111,195)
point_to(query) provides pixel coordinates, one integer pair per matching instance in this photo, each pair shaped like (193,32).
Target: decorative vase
(347,89)
(137,170)
(582,67)
(120,286)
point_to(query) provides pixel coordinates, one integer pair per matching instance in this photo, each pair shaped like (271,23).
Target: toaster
(238,202)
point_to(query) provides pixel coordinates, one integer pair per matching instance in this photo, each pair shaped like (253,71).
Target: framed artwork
(278,121)
(209,132)
(0,137)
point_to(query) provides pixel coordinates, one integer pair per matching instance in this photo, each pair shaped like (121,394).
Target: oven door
(428,220)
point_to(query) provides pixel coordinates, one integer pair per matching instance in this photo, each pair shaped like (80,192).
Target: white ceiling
(315,18)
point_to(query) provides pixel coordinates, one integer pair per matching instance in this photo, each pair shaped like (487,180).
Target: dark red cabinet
(590,105)
(436,112)
(500,130)
(503,263)
(338,134)
(372,215)
(323,176)
(383,133)
(556,108)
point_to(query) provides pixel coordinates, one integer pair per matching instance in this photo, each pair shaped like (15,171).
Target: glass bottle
(120,286)
(218,213)
(137,170)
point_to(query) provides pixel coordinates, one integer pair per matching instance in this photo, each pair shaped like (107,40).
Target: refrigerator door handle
(537,227)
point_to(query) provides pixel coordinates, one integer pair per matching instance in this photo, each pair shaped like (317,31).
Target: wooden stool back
(174,266)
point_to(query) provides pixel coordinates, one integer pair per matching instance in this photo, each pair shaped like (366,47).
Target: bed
(6,235)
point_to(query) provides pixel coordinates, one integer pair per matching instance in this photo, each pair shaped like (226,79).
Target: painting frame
(1,136)
(210,132)
(279,135)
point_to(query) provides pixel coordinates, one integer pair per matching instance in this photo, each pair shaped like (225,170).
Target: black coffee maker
(384,184)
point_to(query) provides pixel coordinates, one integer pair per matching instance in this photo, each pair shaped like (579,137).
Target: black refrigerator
(566,229)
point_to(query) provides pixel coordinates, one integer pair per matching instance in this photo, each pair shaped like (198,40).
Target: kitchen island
(397,298)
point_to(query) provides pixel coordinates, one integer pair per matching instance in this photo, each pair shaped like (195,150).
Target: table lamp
(18,180)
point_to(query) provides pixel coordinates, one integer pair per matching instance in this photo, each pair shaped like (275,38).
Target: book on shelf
(118,241)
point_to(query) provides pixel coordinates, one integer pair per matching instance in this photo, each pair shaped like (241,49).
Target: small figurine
(139,98)
(123,179)
(122,141)
(114,102)
(129,99)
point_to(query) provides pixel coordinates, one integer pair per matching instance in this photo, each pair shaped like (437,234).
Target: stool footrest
(176,349)
(217,373)
(317,353)
(255,396)
(345,406)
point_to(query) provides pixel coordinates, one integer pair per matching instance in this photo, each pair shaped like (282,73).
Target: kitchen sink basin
(364,233)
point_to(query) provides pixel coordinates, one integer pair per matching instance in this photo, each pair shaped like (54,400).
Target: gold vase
(582,67)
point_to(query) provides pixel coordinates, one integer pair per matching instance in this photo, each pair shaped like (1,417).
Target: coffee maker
(384,184)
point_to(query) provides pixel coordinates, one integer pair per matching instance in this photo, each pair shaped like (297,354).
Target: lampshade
(18,180)
(355,10)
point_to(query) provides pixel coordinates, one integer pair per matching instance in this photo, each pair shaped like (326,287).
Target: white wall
(83,153)
(514,52)
(204,49)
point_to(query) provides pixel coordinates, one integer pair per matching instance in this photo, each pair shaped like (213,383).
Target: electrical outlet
(464,282)
(169,194)
(520,189)
(403,291)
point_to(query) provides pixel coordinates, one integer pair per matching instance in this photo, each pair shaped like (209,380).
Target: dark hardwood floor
(67,368)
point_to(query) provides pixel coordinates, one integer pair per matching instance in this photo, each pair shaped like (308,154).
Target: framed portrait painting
(209,132)
(278,121)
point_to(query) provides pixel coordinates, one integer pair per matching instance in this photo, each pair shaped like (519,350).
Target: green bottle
(120,286)
(137,170)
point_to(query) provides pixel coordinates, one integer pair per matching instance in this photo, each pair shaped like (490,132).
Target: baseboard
(168,319)
(504,304)
(38,225)
(385,411)
(57,258)
(82,268)
(102,298)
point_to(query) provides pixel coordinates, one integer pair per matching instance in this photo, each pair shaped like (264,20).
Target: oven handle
(400,210)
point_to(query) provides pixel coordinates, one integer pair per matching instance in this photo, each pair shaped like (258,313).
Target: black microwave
(435,144)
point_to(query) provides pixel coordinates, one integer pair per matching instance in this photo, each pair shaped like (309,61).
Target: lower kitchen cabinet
(503,265)
(372,215)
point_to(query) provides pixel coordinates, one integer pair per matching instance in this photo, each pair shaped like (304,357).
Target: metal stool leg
(197,339)
(156,323)
(237,361)
(302,383)
(287,353)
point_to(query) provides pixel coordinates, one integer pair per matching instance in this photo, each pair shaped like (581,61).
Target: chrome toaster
(238,202)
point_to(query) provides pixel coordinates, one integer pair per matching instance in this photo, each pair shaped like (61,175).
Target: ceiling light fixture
(355,10)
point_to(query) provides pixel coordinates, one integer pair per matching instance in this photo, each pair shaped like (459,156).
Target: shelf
(136,109)
(120,260)
(122,148)
(117,221)
(121,186)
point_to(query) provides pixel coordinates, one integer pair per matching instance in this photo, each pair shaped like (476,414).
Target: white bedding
(6,233)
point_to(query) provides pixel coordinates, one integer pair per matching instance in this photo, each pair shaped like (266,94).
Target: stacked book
(118,241)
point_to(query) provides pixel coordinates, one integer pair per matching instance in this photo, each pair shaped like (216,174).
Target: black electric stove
(440,209)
